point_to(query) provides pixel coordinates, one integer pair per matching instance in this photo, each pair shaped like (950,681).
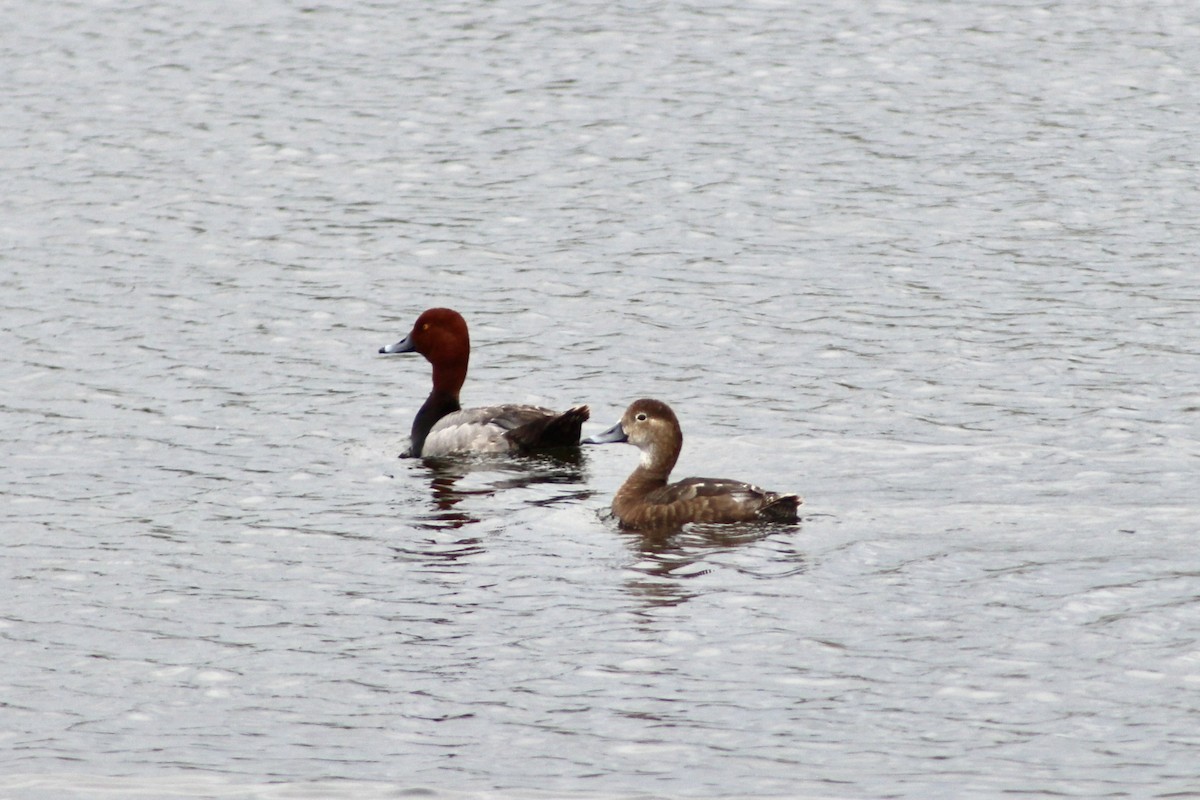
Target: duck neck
(448,377)
(655,467)
(436,406)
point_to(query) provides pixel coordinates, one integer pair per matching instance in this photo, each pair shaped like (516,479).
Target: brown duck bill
(614,434)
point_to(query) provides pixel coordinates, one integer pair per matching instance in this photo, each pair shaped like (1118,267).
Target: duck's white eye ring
(641,417)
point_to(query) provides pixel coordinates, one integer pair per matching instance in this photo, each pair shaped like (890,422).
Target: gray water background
(930,264)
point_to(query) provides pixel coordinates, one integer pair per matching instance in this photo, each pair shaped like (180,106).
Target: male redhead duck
(646,500)
(443,427)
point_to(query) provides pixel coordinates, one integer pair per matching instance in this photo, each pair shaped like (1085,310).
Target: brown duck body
(444,428)
(647,500)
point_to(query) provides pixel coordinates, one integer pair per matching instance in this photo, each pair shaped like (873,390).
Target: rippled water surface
(932,265)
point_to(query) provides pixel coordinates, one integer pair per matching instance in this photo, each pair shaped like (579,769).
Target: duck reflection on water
(450,482)
(671,563)
(449,521)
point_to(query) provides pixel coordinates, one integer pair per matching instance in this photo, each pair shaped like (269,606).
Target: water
(928,264)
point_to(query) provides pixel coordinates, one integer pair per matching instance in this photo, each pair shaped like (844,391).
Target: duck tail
(781,508)
(551,432)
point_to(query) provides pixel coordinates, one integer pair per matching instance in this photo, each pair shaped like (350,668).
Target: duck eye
(641,417)
(425,326)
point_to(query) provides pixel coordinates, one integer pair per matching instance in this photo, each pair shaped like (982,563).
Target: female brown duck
(646,500)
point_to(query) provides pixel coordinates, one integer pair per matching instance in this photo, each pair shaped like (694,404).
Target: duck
(444,428)
(646,501)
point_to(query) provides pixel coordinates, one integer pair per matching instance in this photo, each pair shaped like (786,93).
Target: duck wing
(725,500)
(504,428)
(551,430)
